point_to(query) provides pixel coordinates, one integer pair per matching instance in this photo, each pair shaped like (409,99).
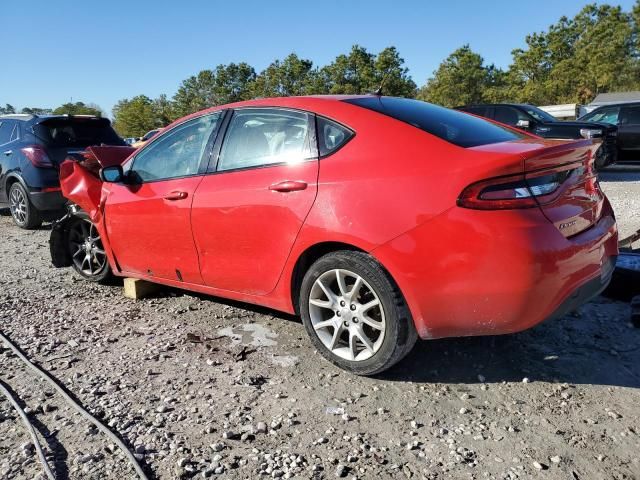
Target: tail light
(516,191)
(37,156)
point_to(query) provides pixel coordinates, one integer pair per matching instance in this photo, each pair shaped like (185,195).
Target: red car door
(247,215)
(148,218)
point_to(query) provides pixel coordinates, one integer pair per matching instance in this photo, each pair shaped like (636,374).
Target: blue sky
(100,52)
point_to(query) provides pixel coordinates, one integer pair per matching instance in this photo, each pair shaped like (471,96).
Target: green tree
(7,109)
(463,78)
(225,84)
(392,75)
(36,111)
(78,108)
(164,110)
(291,76)
(351,74)
(135,117)
(362,72)
(577,58)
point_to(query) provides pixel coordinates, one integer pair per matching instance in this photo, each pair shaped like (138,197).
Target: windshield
(539,114)
(604,115)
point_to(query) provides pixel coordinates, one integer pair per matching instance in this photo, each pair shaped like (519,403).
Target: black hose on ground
(103,428)
(30,429)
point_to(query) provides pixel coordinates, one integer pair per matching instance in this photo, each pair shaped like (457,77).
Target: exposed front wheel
(24,214)
(86,250)
(355,314)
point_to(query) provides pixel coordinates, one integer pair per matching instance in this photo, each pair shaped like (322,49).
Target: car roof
(17,116)
(621,104)
(496,105)
(306,102)
(25,117)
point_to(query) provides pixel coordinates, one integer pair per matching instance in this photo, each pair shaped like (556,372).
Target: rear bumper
(48,201)
(471,273)
(586,292)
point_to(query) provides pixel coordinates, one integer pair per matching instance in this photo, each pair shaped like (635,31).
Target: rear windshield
(77,132)
(455,127)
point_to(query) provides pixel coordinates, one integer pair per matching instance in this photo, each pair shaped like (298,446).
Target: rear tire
(355,314)
(88,257)
(24,214)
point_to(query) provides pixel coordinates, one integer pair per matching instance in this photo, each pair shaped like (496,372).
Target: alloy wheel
(87,250)
(347,315)
(18,205)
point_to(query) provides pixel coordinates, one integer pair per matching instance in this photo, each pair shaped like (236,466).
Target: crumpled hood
(80,182)
(107,156)
(82,186)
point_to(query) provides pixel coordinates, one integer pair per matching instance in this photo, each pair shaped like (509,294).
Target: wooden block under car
(135,288)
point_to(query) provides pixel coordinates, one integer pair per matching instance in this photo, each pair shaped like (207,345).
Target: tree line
(598,50)
(77,108)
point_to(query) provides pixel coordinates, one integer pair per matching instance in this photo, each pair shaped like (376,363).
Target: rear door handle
(176,195)
(8,152)
(288,186)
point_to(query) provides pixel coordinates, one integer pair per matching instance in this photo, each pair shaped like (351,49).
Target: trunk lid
(577,203)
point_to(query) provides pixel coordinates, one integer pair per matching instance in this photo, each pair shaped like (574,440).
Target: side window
(508,115)
(606,115)
(6,128)
(630,115)
(480,111)
(331,136)
(177,153)
(265,136)
(15,135)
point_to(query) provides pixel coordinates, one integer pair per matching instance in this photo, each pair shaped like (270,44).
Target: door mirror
(112,174)
(523,124)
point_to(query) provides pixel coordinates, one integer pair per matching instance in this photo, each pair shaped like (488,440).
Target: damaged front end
(59,239)
(81,185)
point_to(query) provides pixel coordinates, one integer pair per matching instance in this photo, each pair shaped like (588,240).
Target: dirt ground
(202,388)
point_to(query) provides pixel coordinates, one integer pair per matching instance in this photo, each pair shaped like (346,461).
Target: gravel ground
(622,185)
(200,387)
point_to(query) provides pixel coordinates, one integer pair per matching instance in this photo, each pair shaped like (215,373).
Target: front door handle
(8,152)
(176,195)
(288,186)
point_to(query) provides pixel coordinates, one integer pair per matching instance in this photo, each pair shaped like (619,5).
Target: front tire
(86,250)
(355,314)
(24,214)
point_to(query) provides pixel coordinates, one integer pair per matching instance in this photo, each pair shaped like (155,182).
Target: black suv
(539,122)
(31,150)
(627,117)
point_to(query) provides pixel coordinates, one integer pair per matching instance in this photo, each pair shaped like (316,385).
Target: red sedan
(378,220)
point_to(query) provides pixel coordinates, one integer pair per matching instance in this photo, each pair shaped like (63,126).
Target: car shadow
(5,212)
(596,345)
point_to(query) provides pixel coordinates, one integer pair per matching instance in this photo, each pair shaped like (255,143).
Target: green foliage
(362,72)
(7,109)
(78,108)
(36,111)
(135,117)
(164,109)
(225,84)
(576,58)
(594,52)
(461,79)
(291,76)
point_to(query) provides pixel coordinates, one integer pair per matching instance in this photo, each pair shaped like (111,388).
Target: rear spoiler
(565,153)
